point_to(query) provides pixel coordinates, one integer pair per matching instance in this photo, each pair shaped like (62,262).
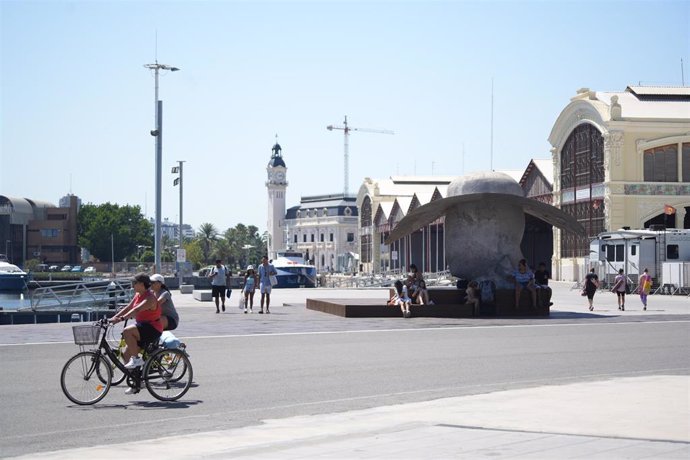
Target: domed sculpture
(484,223)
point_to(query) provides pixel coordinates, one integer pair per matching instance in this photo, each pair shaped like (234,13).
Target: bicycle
(87,376)
(117,344)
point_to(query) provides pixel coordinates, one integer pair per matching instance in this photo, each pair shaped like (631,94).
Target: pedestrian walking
(218,277)
(620,285)
(644,286)
(251,280)
(266,271)
(591,286)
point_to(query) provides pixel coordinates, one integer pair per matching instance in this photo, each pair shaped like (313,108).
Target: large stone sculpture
(484,223)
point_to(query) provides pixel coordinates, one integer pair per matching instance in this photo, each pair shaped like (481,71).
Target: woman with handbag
(644,286)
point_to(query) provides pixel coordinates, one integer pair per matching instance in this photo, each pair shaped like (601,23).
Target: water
(14,300)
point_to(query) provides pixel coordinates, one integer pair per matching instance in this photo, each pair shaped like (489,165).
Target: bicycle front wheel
(168,374)
(86,377)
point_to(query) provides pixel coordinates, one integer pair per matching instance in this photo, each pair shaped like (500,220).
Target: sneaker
(134,362)
(131,391)
(223,307)
(245,311)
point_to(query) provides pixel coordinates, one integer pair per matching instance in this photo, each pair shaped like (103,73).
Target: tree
(207,236)
(126,224)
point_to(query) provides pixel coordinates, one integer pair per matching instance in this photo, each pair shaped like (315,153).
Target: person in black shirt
(541,276)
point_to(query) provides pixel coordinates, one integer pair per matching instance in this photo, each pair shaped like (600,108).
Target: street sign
(181,255)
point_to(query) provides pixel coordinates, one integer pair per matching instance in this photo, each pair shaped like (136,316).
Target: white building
(324,229)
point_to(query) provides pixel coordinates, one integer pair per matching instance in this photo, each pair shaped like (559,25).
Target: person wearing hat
(169,316)
(251,279)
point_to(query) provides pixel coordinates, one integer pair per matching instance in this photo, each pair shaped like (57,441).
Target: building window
(50,232)
(581,170)
(322,237)
(348,211)
(685,159)
(350,237)
(661,164)
(331,237)
(366,217)
(312,237)
(304,238)
(295,238)
(672,251)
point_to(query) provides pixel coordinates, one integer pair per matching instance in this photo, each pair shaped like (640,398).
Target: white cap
(250,267)
(158,278)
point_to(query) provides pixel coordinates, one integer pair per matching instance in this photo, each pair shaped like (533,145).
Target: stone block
(186,289)
(202,296)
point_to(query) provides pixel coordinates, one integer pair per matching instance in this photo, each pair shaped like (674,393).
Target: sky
(77,104)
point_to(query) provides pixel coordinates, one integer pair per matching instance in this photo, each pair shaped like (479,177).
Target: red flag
(669,210)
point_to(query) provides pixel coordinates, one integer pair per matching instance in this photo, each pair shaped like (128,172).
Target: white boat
(12,278)
(293,272)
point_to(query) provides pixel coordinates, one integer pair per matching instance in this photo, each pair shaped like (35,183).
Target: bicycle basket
(86,335)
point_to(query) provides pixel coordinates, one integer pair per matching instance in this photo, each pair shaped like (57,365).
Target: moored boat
(12,278)
(293,272)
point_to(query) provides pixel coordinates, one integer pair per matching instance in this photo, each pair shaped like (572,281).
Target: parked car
(76,268)
(41,268)
(53,268)
(90,270)
(66,268)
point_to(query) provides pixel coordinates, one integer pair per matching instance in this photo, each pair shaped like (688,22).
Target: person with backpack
(218,276)
(591,286)
(644,287)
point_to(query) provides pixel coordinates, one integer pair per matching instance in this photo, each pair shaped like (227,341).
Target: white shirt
(218,276)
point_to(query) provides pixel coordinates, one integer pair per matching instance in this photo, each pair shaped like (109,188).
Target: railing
(77,296)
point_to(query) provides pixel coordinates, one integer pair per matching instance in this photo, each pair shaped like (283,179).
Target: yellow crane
(346,130)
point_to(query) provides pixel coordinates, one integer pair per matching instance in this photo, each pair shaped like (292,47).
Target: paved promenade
(632,417)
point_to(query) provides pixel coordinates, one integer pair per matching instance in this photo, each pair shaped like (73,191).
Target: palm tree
(207,235)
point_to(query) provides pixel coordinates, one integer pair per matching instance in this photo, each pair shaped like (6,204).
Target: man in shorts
(218,283)
(266,270)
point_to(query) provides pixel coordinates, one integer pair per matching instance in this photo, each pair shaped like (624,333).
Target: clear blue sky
(77,103)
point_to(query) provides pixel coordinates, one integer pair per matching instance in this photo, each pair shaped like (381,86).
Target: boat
(293,271)
(12,278)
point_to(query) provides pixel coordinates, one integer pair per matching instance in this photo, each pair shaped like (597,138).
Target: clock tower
(276,185)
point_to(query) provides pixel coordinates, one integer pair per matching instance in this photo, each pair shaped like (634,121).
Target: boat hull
(296,277)
(13,282)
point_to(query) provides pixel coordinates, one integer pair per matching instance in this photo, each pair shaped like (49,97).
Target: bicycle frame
(104,346)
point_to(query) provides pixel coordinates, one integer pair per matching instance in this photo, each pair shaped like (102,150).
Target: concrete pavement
(632,417)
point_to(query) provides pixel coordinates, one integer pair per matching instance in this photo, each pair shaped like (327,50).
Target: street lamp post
(178,181)
(247,247)
(158,134)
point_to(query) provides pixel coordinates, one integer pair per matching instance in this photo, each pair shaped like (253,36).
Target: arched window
(582,175)
(661,164)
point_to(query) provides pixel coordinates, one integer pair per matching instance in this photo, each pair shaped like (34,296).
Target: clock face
(280,175)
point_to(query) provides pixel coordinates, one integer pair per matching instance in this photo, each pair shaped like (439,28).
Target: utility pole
(346,131)
(178,181)
(158,134)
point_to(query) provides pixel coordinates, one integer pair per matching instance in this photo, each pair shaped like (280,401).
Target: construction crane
(346,130)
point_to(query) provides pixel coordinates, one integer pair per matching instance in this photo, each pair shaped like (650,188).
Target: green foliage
(194,253)
(126,224)
(207,236)
(31,264)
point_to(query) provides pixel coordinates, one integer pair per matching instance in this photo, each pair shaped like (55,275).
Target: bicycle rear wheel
(168,374)
(86,378)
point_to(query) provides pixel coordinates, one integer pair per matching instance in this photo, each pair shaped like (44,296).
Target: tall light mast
(346,130)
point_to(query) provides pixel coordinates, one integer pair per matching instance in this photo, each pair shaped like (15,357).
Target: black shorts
(620,294)
(147,334)
(172,323)
(218,291)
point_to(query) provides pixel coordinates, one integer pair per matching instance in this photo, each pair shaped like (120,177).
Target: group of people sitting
(411,291)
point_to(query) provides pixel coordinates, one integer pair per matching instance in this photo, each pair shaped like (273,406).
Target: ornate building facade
(620,159)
